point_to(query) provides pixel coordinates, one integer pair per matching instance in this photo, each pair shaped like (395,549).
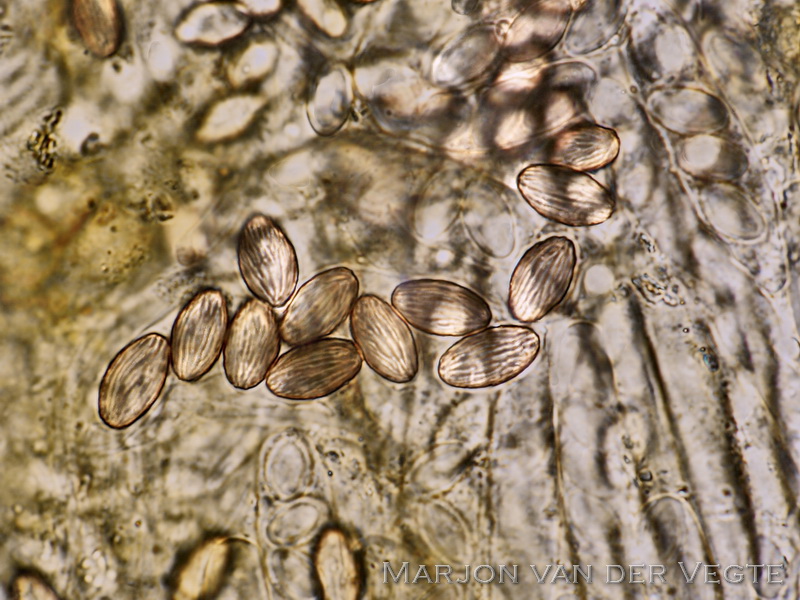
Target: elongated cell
(731,213)
(288,465)
(330,101)
(384,338)
(336,566)
(259,8)
(294,524)
(203,574)
(267,260)
(436,208)
(100,25)
(134,380)
(490,357)
(291,573)
(441,307)
(541,278)
(326,15)
(252,345)
(488,218)
(536,29)
(585,147)
(31,587)
(211,24)
(594,26)
(711,157)
(319,306)
(466,58)
(688,110)
(464,7)
(314,370)
(198,334)
(256,62)
(440,467)
(229,118)
(565,195)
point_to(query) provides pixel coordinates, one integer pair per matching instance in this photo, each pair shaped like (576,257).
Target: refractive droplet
(537,29)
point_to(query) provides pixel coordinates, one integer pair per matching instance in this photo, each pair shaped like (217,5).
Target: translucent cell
(688,110)
(211,24)
(595,24)
(662,48)
(441,467)
(444,530)
(466,58)
(256,62)
(326,15)
(465,7)
(290,573)
(437,206)
(536,29)
(229,118)
(330,101)
(288,466)
(711,157)
(296,523)
(488,218)
(731,214)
